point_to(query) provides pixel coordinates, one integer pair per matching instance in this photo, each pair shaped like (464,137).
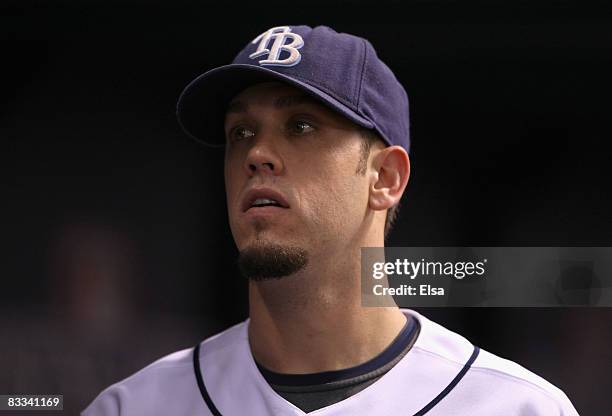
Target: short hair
(370,137)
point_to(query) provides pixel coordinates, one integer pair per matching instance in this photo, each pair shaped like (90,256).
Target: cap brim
(202,104)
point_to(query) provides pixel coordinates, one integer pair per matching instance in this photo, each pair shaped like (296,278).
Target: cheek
(232,188)
(335,196)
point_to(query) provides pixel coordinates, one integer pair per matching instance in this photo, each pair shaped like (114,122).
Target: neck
(313,321)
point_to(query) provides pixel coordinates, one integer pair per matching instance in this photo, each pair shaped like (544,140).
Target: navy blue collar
(403,341)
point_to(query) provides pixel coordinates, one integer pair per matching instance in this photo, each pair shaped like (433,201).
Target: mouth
(263,199)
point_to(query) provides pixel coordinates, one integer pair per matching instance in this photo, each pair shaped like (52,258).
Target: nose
(262,157)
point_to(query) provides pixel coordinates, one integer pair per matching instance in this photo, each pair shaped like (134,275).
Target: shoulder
(533,390)
(172,376)
(499,378)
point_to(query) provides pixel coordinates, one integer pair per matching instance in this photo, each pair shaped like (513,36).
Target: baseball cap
(340,70)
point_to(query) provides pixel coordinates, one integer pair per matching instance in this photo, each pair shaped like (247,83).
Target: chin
(264,239)
(265,259)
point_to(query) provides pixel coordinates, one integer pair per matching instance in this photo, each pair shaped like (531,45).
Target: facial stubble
(269,261)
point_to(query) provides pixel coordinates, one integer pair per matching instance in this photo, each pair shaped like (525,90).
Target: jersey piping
(213,409)
(198,373)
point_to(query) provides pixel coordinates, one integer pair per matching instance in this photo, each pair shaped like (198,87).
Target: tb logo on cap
(278,35)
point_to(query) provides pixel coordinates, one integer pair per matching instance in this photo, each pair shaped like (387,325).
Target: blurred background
(117,249)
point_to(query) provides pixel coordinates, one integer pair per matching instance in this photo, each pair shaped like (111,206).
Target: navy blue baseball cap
(342,71)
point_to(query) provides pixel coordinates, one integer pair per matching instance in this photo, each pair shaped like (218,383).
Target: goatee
(271,261)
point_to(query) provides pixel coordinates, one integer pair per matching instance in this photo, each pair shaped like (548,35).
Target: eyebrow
(286,101)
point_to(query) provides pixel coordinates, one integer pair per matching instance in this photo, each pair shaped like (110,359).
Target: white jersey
(443,374)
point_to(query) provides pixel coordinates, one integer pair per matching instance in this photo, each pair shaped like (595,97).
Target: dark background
(116,243)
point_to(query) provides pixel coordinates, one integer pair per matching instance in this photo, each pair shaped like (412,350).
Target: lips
(262,197)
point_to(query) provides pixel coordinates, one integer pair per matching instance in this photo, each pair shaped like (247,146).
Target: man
(315,129)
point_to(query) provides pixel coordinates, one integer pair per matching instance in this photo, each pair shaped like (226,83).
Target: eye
(240,133)
(301,127)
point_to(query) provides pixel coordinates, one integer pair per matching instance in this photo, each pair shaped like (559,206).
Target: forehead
(272,94)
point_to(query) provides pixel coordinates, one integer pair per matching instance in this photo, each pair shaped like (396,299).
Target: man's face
(290,172)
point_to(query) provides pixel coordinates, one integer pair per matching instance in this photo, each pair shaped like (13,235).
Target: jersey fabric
(443,374)
(310,392)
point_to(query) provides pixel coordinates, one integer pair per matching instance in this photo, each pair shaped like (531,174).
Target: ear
(392,168)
